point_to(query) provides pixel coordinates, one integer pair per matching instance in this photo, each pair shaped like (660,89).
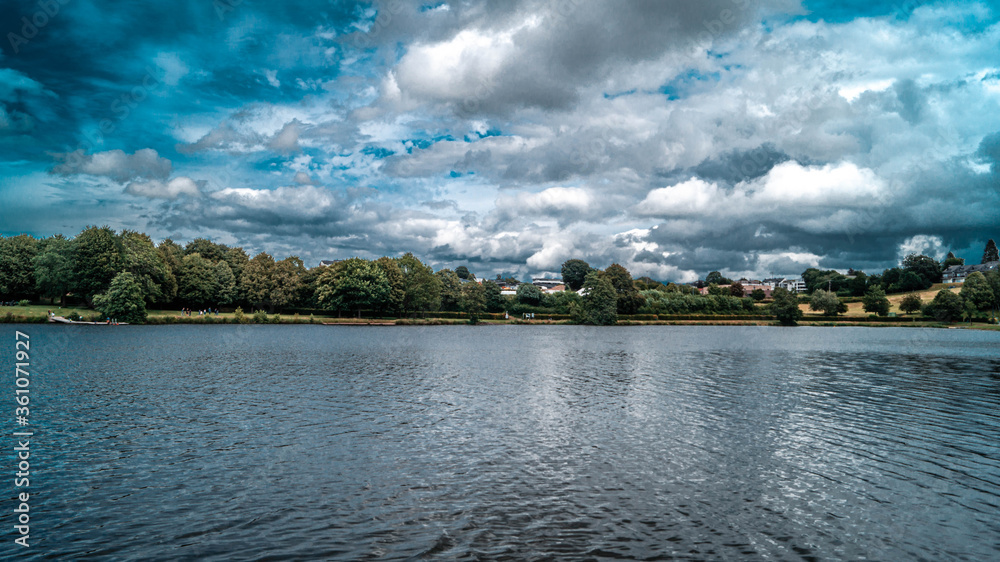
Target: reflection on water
(311,442)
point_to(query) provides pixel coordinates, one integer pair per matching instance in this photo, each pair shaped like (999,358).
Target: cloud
(923,244)
(115,164)
(156,189)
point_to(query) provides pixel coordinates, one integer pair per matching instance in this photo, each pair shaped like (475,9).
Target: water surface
(513,442)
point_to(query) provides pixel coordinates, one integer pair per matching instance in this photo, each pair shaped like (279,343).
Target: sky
(752,137)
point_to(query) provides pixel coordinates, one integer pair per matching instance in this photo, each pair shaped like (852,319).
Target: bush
(24,302)
(240,316)
(260,317)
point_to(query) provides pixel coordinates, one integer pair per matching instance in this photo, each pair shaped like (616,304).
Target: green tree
(528,294)
(600,301)
(208,250)
(952,260)
(977,291)
(908,282)
(858,285)
(422,289)
(141,258)
(990,253)
(352,285)
(946,306)
(911,303)
(124,300)
(286,276)
(17,270)
(758,295)
(716,278)
(171,254)
(494,299)
(463,272)
(825,301)
(451,290)
(926,267)
(197,285)
(574,272)
(993,278)
(225,284)
(629,299)
(397,289)
(875,301)
(238,260)
(98,260)
(473,301)
(54,268)
(257,281)
(786,307)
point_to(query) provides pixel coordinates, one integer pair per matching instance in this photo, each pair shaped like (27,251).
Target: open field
(857,309)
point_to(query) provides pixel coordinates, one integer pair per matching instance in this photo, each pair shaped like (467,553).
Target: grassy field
(857,309)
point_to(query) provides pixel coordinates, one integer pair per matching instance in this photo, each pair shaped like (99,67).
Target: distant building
(327,263)
(958,273)
(546,284)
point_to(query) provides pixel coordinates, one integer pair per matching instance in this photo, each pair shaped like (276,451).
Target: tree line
(122,274)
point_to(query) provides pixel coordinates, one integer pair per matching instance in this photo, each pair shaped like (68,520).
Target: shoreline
(387,322)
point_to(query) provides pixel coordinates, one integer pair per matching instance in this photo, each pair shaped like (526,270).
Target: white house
(958,273)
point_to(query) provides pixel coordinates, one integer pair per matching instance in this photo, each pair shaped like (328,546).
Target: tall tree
(990,253)
(225,284)
(464,273)
(352,285)
(198,283)
(473,300)
(494,299)
(629,299)
(257,280)
(451,290)
(98,260)
(574,273)
(286,276)
(141,258)
(397,290)
(600,301)
(54,268)
(123,301)
(17,272)
(925,266)
(422,289)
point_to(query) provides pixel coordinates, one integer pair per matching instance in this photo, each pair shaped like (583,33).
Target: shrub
(260,317)
(24,302)
(240,316)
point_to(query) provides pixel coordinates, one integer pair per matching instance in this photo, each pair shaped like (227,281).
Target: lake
(510,442)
